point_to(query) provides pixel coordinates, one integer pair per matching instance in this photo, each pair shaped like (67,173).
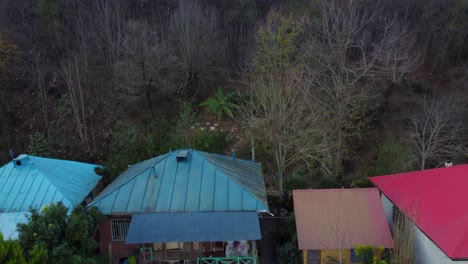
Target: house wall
(116,250)
(425,251)
(328,255)
(388,209)
(325,256)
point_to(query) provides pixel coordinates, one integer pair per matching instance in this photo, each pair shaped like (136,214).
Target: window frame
(314,257)
(119,228)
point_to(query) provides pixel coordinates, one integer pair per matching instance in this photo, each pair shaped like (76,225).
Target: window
(313,257)
(355,258)
(119,229)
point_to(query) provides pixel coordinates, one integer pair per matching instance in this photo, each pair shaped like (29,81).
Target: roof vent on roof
(19,160)
(448,164)
(183,155)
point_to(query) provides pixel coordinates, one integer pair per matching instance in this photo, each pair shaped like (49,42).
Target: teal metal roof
(198,182)
(198,226)
(33,181)
(8,224)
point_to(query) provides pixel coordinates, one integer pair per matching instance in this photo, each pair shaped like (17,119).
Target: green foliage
(11,252)
(299,179)
(48,9)
(221,104)
(132,260)
(210,141)
(187,116)
(288,252)
(132,143)
(366,253)
(392,156)
(66,238)
(38,255)
(277,44)
(38,145)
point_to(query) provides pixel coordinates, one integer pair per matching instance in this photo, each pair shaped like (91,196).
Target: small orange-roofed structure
(332,223)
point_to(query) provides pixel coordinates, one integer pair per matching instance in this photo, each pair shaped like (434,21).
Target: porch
(203,237)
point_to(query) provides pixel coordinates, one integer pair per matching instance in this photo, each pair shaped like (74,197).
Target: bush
(210,141)
(12,253)
(65,237)
(38,145)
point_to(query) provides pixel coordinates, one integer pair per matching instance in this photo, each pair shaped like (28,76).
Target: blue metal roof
(33,181)
(198,182)
(191,227)
(8,224)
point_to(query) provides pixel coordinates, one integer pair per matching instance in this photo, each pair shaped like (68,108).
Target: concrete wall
(388,209)
(428,252)
(425,251)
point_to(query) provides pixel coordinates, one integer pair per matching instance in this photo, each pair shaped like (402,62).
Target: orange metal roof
(340,218)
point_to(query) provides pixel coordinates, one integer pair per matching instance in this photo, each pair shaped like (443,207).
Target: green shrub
(300,178)
(366,253)
(221,104)
(11,252)
(67,238)
(38,145)
(210,141)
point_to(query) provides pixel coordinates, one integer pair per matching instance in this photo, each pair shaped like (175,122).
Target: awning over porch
(197,226)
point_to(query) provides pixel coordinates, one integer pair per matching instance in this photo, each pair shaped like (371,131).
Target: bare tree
(348,46)
(146,65)
(42,88)
(435,128)
(281,114)
(197,43)
(77,93)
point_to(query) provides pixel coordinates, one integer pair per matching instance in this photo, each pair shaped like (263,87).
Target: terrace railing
(227,260)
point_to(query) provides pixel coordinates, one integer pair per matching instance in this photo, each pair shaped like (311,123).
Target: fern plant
(221,104)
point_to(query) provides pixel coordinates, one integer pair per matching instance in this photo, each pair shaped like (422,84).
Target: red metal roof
(436,200)
(340,218)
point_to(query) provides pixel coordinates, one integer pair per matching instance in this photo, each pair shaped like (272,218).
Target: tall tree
(436,129)
(348,45)
(197,43)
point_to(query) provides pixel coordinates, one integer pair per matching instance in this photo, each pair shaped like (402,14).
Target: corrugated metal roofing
(8,222)
(202,182)
(36,182)
(188,227)
(436,201)
(340,218)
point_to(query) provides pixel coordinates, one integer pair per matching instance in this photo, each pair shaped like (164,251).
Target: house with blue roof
(30,181)
(185,205)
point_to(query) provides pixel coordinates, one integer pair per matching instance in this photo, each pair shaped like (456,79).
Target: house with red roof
(331,223)
(435,201)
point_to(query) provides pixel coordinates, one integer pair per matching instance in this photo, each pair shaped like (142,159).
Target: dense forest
(327,92)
